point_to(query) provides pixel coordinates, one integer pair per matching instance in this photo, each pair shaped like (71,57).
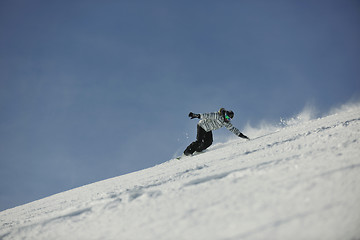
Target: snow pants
(203,141)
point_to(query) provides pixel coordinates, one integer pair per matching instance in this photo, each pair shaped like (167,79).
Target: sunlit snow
(298,180)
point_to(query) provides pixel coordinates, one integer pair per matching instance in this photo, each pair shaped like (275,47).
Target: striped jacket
(213,121)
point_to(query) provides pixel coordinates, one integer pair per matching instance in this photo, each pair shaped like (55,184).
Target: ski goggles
(227,117)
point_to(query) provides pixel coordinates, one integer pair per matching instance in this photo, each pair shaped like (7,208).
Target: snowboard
(194,154)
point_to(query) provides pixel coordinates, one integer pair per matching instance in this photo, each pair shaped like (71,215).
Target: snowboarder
(209,122)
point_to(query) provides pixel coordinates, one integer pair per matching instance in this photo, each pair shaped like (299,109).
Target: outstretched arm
(235,131)
(203,115)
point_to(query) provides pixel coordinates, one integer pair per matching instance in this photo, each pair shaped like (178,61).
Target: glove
(243,136)
(194,115)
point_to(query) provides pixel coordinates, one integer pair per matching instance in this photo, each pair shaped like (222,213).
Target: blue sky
(95,89)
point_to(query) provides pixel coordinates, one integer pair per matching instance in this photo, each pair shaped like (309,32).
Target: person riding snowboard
(209,122)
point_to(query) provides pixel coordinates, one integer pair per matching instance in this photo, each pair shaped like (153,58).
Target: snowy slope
(301,181)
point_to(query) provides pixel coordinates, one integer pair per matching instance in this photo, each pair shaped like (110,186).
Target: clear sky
(95,89)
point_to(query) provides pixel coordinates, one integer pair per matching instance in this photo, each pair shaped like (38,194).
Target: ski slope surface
(298,181)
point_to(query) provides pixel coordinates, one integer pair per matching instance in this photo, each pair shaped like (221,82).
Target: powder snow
(297,181)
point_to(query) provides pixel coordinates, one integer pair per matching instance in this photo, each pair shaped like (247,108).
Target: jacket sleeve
(233,129)
(212,115)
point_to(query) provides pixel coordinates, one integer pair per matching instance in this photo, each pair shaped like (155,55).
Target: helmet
(227,114)
(230,114)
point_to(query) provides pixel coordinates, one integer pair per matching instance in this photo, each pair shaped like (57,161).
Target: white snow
(299,181)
